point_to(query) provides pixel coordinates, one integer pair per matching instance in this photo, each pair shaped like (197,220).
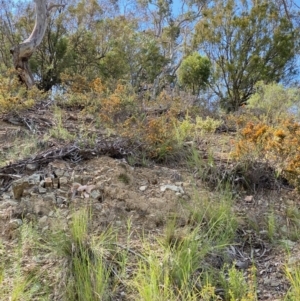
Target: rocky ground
(57,178)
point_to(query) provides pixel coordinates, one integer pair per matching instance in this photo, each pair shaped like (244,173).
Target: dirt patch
(117,192)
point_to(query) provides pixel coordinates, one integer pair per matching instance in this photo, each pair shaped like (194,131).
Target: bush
(278,144)
(273,100)
(194,72)
(15,97)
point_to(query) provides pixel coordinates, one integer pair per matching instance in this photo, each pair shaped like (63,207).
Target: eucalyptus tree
(170,23)
(246,43)
(21,52)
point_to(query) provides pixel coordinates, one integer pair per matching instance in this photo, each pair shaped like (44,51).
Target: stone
(46,228)
(49,198)
(248,198)
(86,179)
(143,188)
(95,194)
(77,179)
(63,182)
(55,182)
(42,190)
(7,204)
(175,188)
(61,200)
(48,182)
(14,224)
(6,196)
(63,192)
(43,220)
(40,207)
(31,166)
(34,179)
(59,172)
(67,174)
(18,187)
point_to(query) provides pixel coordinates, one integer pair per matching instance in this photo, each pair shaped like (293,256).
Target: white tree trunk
(23,51)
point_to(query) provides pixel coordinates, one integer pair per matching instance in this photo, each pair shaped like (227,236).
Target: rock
(43,220)
(5,196)
(61,200)
(14,224)
(7,204)
(58,167)
(86,179)
(34,179)
(248,199)
(40,207)
(31,166)
(48,182)
(64,192)
(77,179)
(59,172)
(143,188)
(18,187)
(175,188)
(55,182)
(50,198)
(67,174)
(95,194)
(42,190)
(63,182)
(46,228)
(242,265)
(23,185)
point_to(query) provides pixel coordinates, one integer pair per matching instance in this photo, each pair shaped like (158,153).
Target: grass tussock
(85,266)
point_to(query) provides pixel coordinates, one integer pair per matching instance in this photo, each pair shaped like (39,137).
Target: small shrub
(237,287)
(278,144)
(273,100)
(59,131)
(124,178)
(207,125)
(15,97)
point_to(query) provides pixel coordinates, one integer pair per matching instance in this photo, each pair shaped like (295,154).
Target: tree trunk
(23,51)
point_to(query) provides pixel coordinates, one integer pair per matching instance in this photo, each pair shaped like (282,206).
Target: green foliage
(194,72)
(59,131)
(14,97)
(246,44)
(237,288)
(87,275)
(207,125)
(274,100)
(293,276)
(19,281)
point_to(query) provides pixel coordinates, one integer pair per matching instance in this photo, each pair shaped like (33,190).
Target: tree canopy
(223,46)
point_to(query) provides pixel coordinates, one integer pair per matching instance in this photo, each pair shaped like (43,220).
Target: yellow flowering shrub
(14,96)
(278,143)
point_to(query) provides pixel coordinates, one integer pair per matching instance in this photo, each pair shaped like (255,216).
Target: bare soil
(147,196)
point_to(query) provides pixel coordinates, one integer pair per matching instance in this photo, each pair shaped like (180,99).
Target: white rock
(175,188)
(143,188)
